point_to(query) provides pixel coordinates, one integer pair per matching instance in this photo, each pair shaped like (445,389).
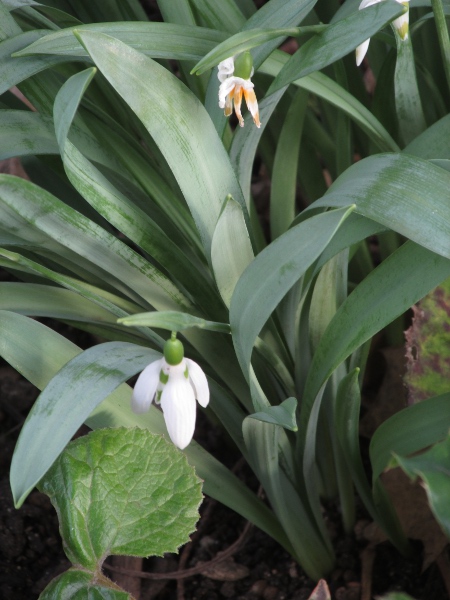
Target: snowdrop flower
(401,24)
(175,382)
(234,76)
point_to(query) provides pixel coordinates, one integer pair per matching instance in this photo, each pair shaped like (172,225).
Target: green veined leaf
(177,122)
(412,429)
(273,272)
(336,41)
(38,215)
(231,248)
(244,40)
(158,40)
(172,321)
(402,192)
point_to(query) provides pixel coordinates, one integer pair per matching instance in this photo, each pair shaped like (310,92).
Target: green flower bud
(173,351)
(243,65)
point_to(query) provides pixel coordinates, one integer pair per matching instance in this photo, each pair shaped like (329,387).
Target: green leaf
(387,292)
(283,414)
(408,104)
(262,441)
(244,40)
(76,584)
(378,504)
(173,321)
(45,221)
(271,275)
(128,491)
(324,87)
(284,171)
(231,248)
(116,208)
(412,429)
(49,301)
(178,123)
(64,405)
(433,142)
(158,40)
(23,133)
(336,41)
(404,193)
(433,468)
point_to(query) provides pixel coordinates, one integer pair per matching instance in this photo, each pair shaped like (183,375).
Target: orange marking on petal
(229,104)
(252,105)
(237,104)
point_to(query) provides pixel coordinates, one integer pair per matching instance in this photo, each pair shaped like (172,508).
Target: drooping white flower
(401,24)
(175,383)
(235,81)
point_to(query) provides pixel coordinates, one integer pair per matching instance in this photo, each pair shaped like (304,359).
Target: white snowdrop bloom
(175,383)
(401,24)
(235,77)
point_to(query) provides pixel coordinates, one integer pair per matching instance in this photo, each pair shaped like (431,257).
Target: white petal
(178,404)
(361,51)
(225,88)
(402,24)
(145,387)
(226,69)
(199,382)
(366,3)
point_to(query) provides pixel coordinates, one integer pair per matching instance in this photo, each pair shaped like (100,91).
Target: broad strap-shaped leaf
(116,208)
(240,42)
(412,429)
(262,441)
(23,132)
(379,506)
(231,248)
(271,275)
(387,292)
(404,193)
(158,40)
(46,222)
(173,321)
(324,87)
(178,123)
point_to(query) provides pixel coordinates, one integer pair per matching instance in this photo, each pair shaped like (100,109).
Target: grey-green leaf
(172,321)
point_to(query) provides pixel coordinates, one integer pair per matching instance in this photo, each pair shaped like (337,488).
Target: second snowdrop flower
(401,25)
(235,80)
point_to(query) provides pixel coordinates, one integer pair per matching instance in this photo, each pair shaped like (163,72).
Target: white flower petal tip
(145,388)
(361,52)
(177,387)
(199,382)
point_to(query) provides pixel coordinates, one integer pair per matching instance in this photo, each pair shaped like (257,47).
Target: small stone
(258,587)
(270,593)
